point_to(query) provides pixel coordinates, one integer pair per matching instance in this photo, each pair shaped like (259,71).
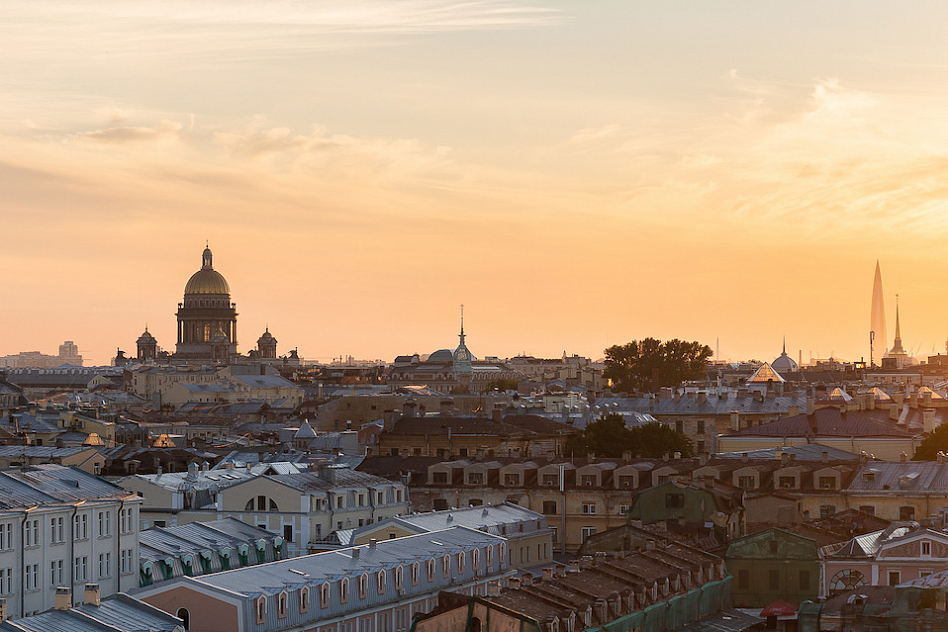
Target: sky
(578,174)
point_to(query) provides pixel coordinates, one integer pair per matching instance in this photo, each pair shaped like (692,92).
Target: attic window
(869,476)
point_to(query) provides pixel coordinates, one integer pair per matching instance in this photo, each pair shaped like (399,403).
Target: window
(589,508)
(6,536)
(490,554)
(700,423)
(31,533)
(363,585)
(475,478)
(105,564)
(344,590)
(804,580)
(551,480)
(380,581)
(56,535)
(439,504)
(338,502)
(746,482)
(827,510)
(786,482)
(125,520)
(926,547)
(431,570)
(774,545)
(827,482)
(589,480)
(81,526)
(6,581)
(624,508)
(475,502)
(626,482)
(511,479)
(743,579)
(105,524)
(869,509)
(446,566)
(906,513)
(461,558)
(398,577)
(415,568)
(895,578)
(773,580)
(674,501)
(588,531)
(281,605)
(679,426)
(549,507)
(380,500)
(31,576)
(125,562)
(81,569)
(56,573)
(261,608)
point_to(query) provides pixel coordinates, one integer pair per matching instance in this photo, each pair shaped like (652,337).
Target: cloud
(123,135)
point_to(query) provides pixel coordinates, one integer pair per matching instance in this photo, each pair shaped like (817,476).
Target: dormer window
(446,565)
(475,478)
(827,482)
(926,548)
(869,476)
(304,598)
(490,554)
(461,557)
(344,590)
(511,480)
(550,480)
(398,578)
(380,581)
(415,568)
(431,570)
(746,482)
(281,605)
(588,480)
(261,609)
(786,482)
(363,585)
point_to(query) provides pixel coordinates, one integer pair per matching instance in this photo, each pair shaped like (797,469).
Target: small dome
(442,355)
(266,337)
(146,338)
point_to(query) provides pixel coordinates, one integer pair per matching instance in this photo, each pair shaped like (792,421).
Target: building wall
(205,613)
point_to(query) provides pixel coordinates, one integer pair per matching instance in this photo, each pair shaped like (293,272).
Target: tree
(931,445)
(502,384)
(650,364)
(608,436)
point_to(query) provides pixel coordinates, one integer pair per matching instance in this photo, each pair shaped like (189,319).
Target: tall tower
(462,355)
(877,322)
(897,350)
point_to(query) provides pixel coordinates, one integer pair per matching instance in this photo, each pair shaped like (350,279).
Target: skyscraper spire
(461,335)
(877,322)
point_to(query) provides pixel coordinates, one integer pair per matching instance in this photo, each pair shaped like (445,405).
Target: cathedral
(207,325)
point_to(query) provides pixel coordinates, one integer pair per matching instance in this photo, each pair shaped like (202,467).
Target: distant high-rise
(877,323)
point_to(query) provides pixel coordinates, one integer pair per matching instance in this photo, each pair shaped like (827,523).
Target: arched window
(415,568)
(380,581)
(207,332)
(446,565)
(363,585)
(261,607)
(461,557)
(398,578)
(281,605)
(475,558)
(304,598)
(431,570)
(324,595)
(185,616)
(490,554)
(344,590)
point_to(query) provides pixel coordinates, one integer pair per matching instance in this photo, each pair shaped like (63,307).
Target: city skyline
(577,174)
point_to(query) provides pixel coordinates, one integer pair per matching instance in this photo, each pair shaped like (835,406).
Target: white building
(62,527)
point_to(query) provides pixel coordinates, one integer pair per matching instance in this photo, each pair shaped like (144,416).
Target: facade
(530,538)
(379,586)
(62,527)
(773,564)
(901,491)
(902,552)
(695,504)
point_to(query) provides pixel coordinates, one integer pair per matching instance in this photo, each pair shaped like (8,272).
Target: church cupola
(267,345)
(462,355)
(147,346)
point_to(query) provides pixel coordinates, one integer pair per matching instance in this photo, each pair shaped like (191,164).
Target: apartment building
(61,527)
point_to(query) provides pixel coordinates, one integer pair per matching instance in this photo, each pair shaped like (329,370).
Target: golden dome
(207,280)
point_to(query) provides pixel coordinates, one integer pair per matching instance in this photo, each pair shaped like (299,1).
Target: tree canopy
(931,445)
(650,364)
(609,437)
(502,384)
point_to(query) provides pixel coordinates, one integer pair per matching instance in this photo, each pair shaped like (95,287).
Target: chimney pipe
(63,598)
(92,596)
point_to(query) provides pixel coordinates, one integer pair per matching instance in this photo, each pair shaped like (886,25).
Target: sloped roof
(827,422)
(764,374)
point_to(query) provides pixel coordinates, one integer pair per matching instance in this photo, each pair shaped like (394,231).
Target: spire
(461,335)
(206,259)
(784,346)
(897,343)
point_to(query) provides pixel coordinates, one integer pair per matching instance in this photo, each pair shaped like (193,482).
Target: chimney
(928,420)
(560,570)
(192,470)
(742,393)
(574,566)
(388,419)
(513,583)
(785,458)
(585,562)
(895,411)
(735,421)
(92,595)
(373,543)
(870,400)
(447,408)
(940,457)
(825,456)
(809,405)
(497,413)
(703,459)
(690,395)
(903,457)
(409,409)
(927,398)
(913,399)
(793,411)
(3,609)
(702,397)
(63,598)
(627,455)
(356,553)
(526,580)
(547,573)
(205,466)
(745,457)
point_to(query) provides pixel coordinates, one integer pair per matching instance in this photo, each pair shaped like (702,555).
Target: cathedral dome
(441,355)
(207,280)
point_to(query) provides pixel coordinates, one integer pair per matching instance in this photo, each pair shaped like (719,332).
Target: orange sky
(577,174)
